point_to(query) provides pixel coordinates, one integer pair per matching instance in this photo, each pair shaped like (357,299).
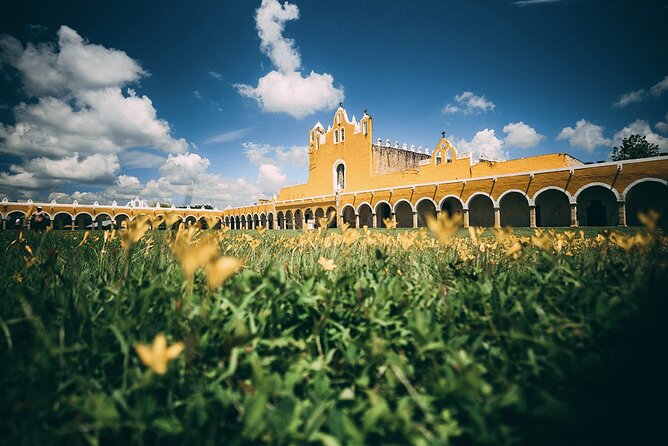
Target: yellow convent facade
(365,182)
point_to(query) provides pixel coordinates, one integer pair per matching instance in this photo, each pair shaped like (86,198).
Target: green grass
(392,347)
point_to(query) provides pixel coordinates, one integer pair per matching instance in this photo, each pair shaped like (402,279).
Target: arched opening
(119,219)
(299,219)
(103,221)
(514,208)
(16,220)
(62,220)
(481,211)
(237,222)
(348,214)
(404,214)
(319,215)
(256,221)
(451,207)
(343,134)
(289,220)
(383,212)
(425,210)
(202,223)
(552,208)
(340,178)
(190,221)
(243,222)
(597,206)
(366,218)
(646,196)
(270,221)
(280,220)
(331,217)
(249,222)
(263,220)
(309,220)
(83,221)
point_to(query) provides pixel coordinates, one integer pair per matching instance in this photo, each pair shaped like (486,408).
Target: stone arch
(119,219)
(481,210)
(425,208)
(256,221)
(365,213)
(645,195)
(280,220)
(383,211)
(16,220)
(83,220)
(331,217)
(227,221)
(249,221)
(237,222)
(103,220)
(298,219)
(263,220)
(597,205)
(62,220)
(203,223)
(514,208)
(309,218)
(270,220)
(243,224)
(348,215)
(190,220)
(289,220)
(453,207)
(552,207)
(403,211)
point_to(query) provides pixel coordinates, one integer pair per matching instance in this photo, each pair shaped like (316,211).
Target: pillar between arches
(357,220)
(415,219)
(574,215)
(621,209)
(466,218)
(394,218)
(374,220)
(497,217)
(532,216)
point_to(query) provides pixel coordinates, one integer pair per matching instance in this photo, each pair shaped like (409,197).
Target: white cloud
(521,135)
(469,102)
(268,154)
(661,86)
(641,127)
(77,65)
(629,98)
(227,136)
(184,165)
(484,145)
(215,75)
(286,90)
(662,126)
(270,177)
(585,136)
(197,94)
(81,116)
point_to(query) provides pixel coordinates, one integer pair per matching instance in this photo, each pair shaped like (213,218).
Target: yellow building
(365,181)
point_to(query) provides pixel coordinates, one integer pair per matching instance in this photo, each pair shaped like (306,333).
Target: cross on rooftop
(443,134)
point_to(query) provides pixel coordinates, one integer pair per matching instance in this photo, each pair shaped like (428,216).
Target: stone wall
(388,159)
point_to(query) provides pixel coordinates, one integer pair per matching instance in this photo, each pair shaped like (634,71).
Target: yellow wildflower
(327,264)
(220,269)
(158,355)
(443,226)
(389,223)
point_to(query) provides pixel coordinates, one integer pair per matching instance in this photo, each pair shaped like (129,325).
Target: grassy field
(333,337)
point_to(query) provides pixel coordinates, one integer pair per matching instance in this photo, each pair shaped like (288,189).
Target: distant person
(39,218)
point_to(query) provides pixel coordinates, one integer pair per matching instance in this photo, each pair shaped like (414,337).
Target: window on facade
(336,136)
(338,119)
(340,176)
(364,127)
(343,134)
(438,158)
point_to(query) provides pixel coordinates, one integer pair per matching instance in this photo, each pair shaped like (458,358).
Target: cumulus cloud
(641,127)
(521,135)
(469,102)
(585,136)
(662,126)
(484,145)
(81,116)
(629,98)
(266,153)
(285,89)
(270,177)
(660,87)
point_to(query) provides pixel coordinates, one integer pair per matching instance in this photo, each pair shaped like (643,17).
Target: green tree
(634,146)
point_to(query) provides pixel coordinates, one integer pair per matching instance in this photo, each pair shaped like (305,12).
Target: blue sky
(204,120)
